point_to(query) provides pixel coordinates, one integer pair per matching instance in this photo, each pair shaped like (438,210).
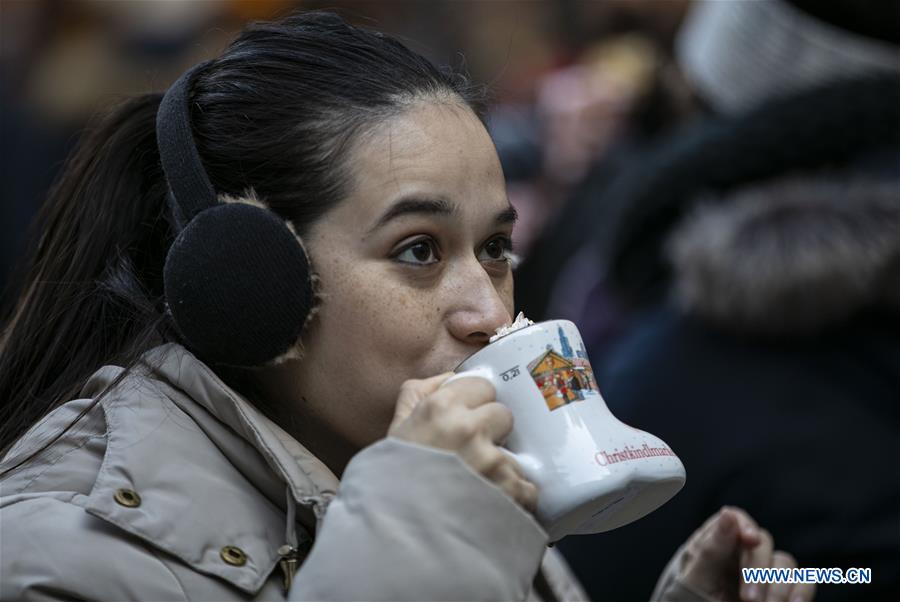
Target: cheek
(506,290)
(382,327)
(370,335)
(503,285)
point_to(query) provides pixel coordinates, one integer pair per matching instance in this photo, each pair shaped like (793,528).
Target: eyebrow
(507,216)
(433,206)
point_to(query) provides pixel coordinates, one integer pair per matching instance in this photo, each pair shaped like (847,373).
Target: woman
(207,465)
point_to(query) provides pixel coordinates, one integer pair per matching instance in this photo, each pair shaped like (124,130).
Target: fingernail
(753,592)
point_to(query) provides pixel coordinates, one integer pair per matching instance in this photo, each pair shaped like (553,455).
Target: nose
(478,308)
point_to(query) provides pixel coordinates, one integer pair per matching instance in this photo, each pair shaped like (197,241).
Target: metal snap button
(233,555)
(127,498)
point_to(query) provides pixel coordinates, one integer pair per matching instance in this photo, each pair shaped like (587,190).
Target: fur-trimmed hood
(790,256)
(620,217)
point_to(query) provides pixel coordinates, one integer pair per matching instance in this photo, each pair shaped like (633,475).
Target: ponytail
(92,280)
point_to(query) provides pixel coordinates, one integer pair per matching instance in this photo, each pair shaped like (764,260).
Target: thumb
(712,553)
(414,391)
(725,532)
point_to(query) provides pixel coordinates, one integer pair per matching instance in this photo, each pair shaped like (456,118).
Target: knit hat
(737,54)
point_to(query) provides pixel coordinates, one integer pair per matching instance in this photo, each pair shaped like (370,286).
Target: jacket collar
(172,419)
(308,478)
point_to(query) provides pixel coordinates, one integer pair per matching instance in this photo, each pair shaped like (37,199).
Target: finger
(719,540)
(749,530)
(414,391)
(803,592)
(429,385)
(708,526)
(523,491)
(474,391)
(495,419)
(712,552)
(780,592)
(759,556)
(528,495)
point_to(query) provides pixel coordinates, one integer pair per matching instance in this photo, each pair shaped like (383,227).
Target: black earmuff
(237,279)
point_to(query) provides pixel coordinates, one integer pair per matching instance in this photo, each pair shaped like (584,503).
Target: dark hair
(277,113)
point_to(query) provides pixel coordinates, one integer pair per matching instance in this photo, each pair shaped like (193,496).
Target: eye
(420,252)
(496,249)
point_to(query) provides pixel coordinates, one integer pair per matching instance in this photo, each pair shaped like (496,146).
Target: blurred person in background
(220,380)
(594,118)
(580,113)
(758,253)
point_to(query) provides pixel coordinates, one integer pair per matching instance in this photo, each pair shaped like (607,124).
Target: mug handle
(480,372)
(529,464)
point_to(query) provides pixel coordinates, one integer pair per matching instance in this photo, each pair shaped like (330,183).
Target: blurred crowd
(568,77)
(709,190)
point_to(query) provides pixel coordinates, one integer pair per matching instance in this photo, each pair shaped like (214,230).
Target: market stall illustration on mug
(564,376)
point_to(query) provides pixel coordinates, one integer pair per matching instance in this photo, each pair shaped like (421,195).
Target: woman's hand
(712,559)
(463,418)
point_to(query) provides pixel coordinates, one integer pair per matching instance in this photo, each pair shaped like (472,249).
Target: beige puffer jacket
(174,487)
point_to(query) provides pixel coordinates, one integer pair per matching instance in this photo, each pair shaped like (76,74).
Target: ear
(239,286)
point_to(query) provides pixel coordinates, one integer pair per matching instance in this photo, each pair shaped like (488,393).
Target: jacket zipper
(290,561)
(289,552)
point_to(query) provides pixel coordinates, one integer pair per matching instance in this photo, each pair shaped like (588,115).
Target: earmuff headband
(237,279)
(181,163)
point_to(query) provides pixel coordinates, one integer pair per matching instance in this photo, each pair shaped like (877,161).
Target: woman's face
(414,276)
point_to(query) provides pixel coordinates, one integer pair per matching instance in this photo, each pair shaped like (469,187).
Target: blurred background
(554,67)
(709,190)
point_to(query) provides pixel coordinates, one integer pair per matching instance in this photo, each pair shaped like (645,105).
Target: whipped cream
(520,322)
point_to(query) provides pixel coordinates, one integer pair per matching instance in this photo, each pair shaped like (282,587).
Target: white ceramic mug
(594,472)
